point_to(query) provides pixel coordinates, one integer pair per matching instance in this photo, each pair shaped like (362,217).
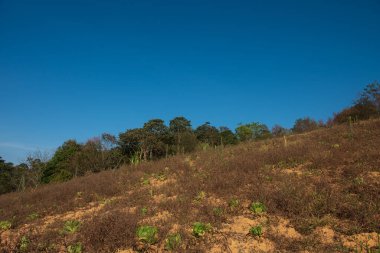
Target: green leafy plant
(218,211)
(24,243)
(160,176)
(201,196)
(257,207)
(33,216)
(145,181)
(199,228)
(147,234)
(5,225)
(173,241)
(75,248)
(233,203)
(256,231)
(144,210)
(71,226)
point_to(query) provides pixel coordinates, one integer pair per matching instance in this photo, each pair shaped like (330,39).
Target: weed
(24,243)
(5,225)
(199,228)
(359,180)
(218,211)
(233,203)
(145,181)
(144,210)
(147,234)
(201,196)
(32,216)
(71,226)
(257,207)
(173,241)
(75,248)
(160,176)
(256,231)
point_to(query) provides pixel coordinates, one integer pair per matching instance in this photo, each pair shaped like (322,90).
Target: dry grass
(325,180)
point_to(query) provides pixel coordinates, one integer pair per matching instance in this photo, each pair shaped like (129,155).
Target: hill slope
(320,193)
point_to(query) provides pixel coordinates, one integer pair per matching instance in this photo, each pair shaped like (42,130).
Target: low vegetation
(317,191)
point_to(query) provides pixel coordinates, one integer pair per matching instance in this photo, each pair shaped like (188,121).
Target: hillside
(316,192)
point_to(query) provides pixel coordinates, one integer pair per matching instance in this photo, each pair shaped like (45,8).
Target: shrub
(5,225)
(24,243)
(75,248)
(233,203)
(199,228)
(256,231)
(33,216)
(147,234)
(71,226)
(173,241)
(218,211)
(257,207)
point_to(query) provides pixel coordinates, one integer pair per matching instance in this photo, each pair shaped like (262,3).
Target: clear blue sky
(75,69)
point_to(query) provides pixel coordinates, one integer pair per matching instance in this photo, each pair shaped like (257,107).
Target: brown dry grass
(322,194)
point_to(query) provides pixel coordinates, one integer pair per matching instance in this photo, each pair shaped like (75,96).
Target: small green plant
(5,225)
(218,211)
(71,226)
(24,243)
(145,181)
(257,207)
(160,176)
(75,248)
(233,203)
(32,216)
(173,241)
(201,196)
(147,234)
(199,228)
(359,180)
(256,231)
(144,210)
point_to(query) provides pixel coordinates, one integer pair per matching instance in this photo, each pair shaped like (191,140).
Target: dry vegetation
(320,193)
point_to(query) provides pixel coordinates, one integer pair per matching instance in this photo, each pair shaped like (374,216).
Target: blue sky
(75,69)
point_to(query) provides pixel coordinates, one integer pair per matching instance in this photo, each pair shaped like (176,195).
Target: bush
(256,231)
(173,241)
(147,234)
(199,228)
(5,225)
(71,226)
(257,207)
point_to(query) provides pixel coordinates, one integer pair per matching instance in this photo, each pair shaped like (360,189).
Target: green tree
(304,125)
(279,131)
(227,137)
(179,128)
(252,131)
(207,134)
(60,168)
(156,138)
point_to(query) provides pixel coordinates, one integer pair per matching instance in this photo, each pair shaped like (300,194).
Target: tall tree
(179,128)
(60,168)
(304,125)
(207,134)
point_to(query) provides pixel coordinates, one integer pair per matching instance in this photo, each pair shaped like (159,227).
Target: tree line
(155,140)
